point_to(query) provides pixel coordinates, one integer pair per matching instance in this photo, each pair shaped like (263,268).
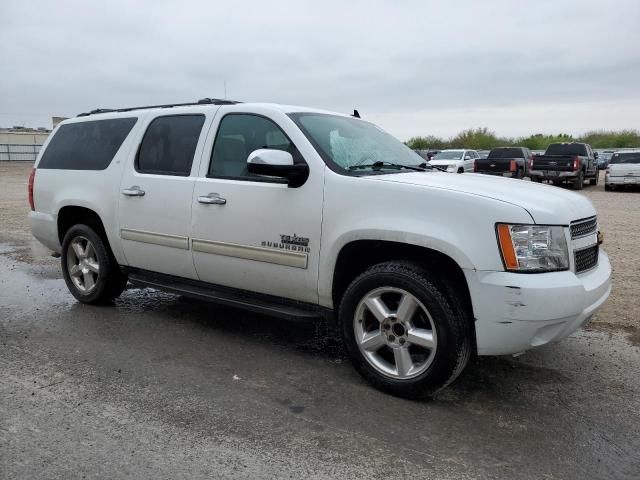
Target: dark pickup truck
(505,161)
(566,162)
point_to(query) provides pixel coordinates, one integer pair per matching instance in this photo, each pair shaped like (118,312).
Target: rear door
(156,191)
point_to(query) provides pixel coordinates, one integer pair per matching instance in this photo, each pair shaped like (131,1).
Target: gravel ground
(161,387)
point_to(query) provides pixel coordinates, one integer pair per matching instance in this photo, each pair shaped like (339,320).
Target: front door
(156,192)
(251,232)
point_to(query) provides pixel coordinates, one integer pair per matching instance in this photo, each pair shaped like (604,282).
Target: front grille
(586,259)
(584,227)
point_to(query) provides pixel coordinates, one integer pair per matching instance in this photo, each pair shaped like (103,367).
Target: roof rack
(202,101)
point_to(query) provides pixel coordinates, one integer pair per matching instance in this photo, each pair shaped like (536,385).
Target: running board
(263,304)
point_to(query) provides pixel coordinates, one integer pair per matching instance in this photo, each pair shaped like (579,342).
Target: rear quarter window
(86,145)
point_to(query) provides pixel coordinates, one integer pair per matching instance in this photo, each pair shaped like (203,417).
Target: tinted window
(633,157)
(86,145)
(238,136)
(567,149)
(169,144)
(506,153)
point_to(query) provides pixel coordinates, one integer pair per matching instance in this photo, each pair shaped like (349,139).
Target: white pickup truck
(307,214)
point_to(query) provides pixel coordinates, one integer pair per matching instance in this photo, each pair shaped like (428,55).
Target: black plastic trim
(232,297)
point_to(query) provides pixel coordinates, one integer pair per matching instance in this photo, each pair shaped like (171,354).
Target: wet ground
(162,387)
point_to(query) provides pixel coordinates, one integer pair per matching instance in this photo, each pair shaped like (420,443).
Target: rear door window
(169,145)
(86,145)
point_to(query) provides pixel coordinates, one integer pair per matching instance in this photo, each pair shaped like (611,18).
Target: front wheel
(89,269)
(401,332)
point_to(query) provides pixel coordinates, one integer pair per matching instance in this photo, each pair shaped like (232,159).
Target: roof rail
(202,101)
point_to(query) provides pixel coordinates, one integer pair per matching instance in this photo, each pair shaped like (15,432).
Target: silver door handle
(212,199)
(134,191)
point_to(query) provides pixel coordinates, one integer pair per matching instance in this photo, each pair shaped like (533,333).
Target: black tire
(452,328)
(520,174)
(578,183)
(594,180)
(461,170)
(536,179)
(110,281)
(608,188)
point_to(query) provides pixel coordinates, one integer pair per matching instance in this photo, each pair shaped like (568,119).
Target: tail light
(512,166)
(32,177)
(576,163)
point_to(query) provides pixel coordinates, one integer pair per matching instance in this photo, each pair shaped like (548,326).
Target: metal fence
(14,152)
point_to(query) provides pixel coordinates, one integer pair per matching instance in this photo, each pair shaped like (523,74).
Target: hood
(545,203)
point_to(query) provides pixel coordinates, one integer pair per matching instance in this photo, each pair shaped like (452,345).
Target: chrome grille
(586,259)
(581,228)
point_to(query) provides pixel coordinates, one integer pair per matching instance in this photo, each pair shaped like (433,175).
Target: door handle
(134,191)
(212,199)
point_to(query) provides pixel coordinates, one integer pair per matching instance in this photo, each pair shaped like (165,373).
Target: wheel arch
(70,215)
(358,255)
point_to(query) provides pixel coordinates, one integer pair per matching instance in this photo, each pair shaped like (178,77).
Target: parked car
(455,160)
(566,162)
(623,170)
(603,159)
(427,154)
(506,161)
(307,215)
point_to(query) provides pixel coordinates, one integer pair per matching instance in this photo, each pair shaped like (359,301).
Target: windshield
(345,143)
(449,155)
(631,157)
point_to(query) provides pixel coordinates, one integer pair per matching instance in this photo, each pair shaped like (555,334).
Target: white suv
(459,161)
(302,213)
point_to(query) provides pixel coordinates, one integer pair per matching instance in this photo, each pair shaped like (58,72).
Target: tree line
(484,139)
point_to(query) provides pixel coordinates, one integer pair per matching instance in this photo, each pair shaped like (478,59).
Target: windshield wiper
(379,164)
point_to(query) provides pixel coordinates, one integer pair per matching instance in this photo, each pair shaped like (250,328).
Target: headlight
(533,248)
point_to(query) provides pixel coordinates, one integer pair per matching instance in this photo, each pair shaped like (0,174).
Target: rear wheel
(594,180)
(608,188)
(401,332)
(578,183)
(89,269)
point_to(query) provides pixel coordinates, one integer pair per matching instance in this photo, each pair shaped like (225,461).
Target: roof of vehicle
(457,150)
(629,150)
(199,106)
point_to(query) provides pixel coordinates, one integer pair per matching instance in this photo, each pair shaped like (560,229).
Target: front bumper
(515,312)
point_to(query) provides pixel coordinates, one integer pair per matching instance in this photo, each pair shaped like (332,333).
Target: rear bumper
(497,174)
(45,229)
(609,180)
(515,312)
(550,174)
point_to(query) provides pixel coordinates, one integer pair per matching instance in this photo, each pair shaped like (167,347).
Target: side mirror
(595,155)
(467,157)
(279,164)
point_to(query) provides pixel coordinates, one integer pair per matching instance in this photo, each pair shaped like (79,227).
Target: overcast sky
(413,67)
